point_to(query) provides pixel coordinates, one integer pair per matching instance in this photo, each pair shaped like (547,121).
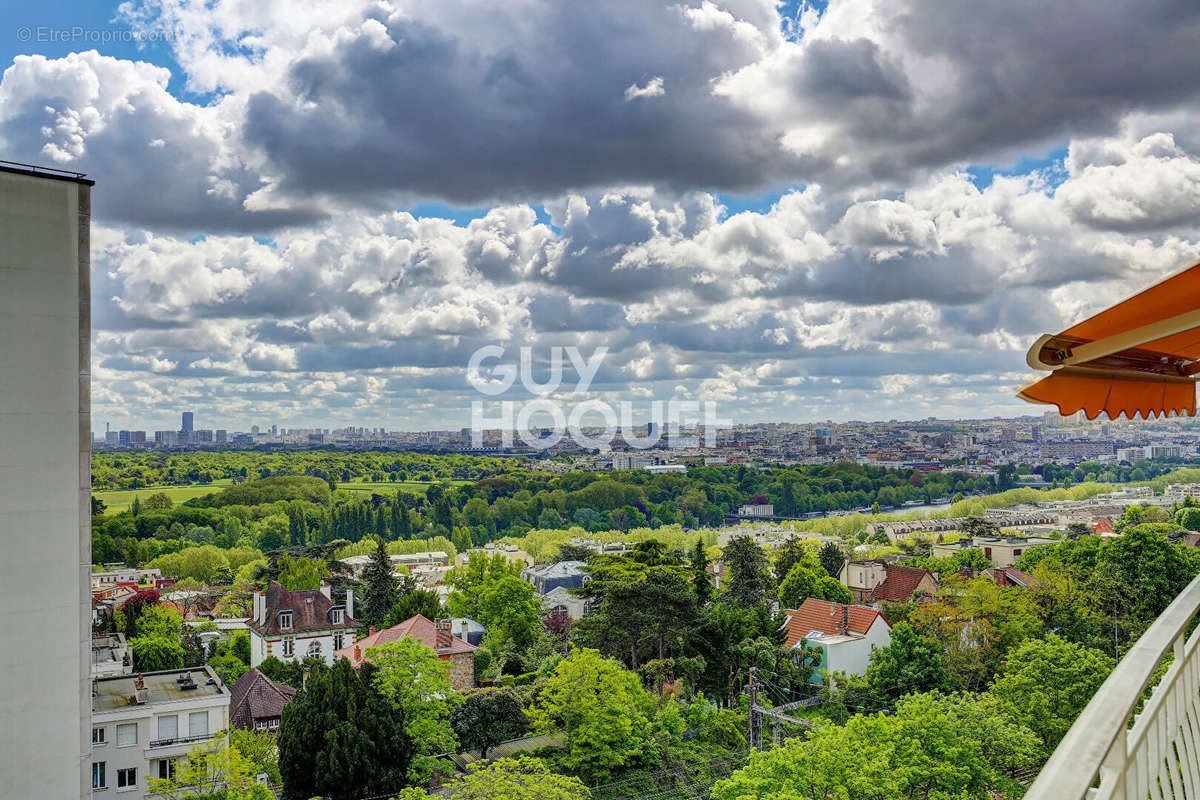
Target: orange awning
(1141,356)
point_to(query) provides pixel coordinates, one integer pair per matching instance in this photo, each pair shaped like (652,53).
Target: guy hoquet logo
(567,418)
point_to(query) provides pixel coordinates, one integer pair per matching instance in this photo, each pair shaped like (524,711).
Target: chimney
(845,618)
(327,590)
(372,631)
(357,654)
(445,637)
(350,603)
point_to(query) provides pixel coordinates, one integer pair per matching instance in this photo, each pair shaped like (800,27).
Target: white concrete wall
(45,723)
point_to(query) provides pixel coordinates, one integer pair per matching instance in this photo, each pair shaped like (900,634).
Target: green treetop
(601,711)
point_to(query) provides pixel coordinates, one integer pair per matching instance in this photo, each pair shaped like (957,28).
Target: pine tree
(379,591)
(701,580)
(340,738)
(831,558)
(746,567)
(136,508)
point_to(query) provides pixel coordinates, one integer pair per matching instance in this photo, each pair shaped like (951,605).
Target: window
(273,723)
(338,641)
(168,727)
(98,781)
(126,734)
(97,735)
(1016,553)
(198,723)
(314,650)
(337,616)
(289,647)
(285,620)
(166,769)
(127,778)
(261,725)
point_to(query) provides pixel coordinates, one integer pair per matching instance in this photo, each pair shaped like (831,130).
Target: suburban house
(302,624)
(1002,551)
(143,724)
(847,635)
(1009,576)
(468,630)
(559,600)
(548,577)
(872,581)
(438,636)
(256,702)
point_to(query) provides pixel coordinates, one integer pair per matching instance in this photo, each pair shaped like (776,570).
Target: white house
(143,724)
(296,625)
(847,635)
(560,599)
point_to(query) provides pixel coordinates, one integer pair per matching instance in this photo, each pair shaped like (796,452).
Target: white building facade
(143,726)
(45,480)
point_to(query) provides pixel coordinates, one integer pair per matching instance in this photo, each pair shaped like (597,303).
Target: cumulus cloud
(763,309)
(653,88)
(308,112)
(600,145)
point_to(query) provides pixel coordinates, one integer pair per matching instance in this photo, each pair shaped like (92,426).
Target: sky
(312,214)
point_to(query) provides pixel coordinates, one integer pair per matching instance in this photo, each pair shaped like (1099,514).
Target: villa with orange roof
(847,635)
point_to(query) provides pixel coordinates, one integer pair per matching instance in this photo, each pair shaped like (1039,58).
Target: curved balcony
(1111,753)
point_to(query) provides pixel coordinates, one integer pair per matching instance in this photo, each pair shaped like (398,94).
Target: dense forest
(298,499)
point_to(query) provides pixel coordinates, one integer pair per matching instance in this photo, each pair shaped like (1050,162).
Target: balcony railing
(180,740)
(1103,756)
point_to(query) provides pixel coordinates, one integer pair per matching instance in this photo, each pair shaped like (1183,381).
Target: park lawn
(118,500)
(381,487)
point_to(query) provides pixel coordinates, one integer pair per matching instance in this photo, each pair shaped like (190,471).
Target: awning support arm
(1081,354)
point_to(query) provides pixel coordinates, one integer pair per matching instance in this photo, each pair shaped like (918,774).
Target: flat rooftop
(110,694)
(53,173)
(107,648)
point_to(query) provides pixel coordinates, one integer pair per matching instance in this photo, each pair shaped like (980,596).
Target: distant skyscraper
(187,422)
(222,436)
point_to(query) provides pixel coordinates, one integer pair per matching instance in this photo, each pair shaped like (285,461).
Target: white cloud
(653,88)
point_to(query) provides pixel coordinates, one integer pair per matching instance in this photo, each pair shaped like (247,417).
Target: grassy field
(117,500)
(390,487)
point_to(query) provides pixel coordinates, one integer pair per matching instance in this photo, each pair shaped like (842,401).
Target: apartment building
(126,576)
(45,480)
(143,724)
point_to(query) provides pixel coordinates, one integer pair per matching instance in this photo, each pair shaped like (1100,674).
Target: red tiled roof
(900,583)
(310,612)
(419,627)
(1103,525)
(254,696)
(826,617)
